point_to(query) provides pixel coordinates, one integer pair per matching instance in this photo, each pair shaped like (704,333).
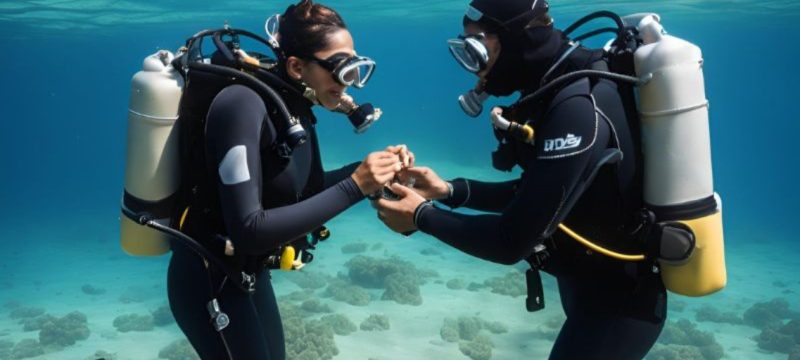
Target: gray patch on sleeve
(233,168)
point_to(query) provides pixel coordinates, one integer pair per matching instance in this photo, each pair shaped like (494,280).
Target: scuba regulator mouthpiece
(363,117)
(472,102)
(360,116)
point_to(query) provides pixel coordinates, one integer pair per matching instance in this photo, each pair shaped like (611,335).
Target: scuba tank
(678,183)
(151,172)
(682,218)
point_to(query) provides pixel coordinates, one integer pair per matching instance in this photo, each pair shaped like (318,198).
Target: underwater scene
(69,291)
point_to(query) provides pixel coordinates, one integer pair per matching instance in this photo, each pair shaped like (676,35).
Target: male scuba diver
(578,148)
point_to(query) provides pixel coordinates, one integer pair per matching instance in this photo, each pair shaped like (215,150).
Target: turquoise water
(65,82)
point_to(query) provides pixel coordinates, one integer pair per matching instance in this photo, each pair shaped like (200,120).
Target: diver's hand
(398,215)
(426,182)
(376,170)
(406,156)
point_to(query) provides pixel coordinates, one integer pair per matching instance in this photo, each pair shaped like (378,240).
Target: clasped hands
(410,186)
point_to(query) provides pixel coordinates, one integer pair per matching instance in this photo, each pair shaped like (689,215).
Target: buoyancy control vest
(198,202)
(166,170)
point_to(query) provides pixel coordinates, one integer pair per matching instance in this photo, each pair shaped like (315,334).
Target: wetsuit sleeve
(479,195)
(333,177)
(234,128)
(549,177)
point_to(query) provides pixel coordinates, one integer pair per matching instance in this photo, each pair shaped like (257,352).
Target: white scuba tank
(674,116)
(152,171)
(677,151)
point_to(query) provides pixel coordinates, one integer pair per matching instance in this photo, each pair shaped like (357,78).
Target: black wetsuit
(265,201)
(615,310)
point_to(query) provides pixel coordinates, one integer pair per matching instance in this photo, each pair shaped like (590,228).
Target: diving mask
(469,52)
(348,70)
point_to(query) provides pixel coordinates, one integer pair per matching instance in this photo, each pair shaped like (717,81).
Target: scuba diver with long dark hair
(252,192)
(584,187)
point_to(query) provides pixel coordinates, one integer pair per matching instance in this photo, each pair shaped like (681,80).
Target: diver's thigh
(245,335)
(574,341)
(633,338)
(600,323)
(268,313)
(605,338)
(188,292)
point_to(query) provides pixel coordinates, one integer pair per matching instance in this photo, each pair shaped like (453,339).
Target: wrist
(357,180)
(460,193)
(420,210)
(444,191)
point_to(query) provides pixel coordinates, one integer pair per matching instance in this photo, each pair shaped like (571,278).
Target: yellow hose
(528,133)
(601,250)
(183,218)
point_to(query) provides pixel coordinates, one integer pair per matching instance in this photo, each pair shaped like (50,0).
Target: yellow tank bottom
(138,240)
(705,272)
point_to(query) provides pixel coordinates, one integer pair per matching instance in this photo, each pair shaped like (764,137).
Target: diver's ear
(294,67)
